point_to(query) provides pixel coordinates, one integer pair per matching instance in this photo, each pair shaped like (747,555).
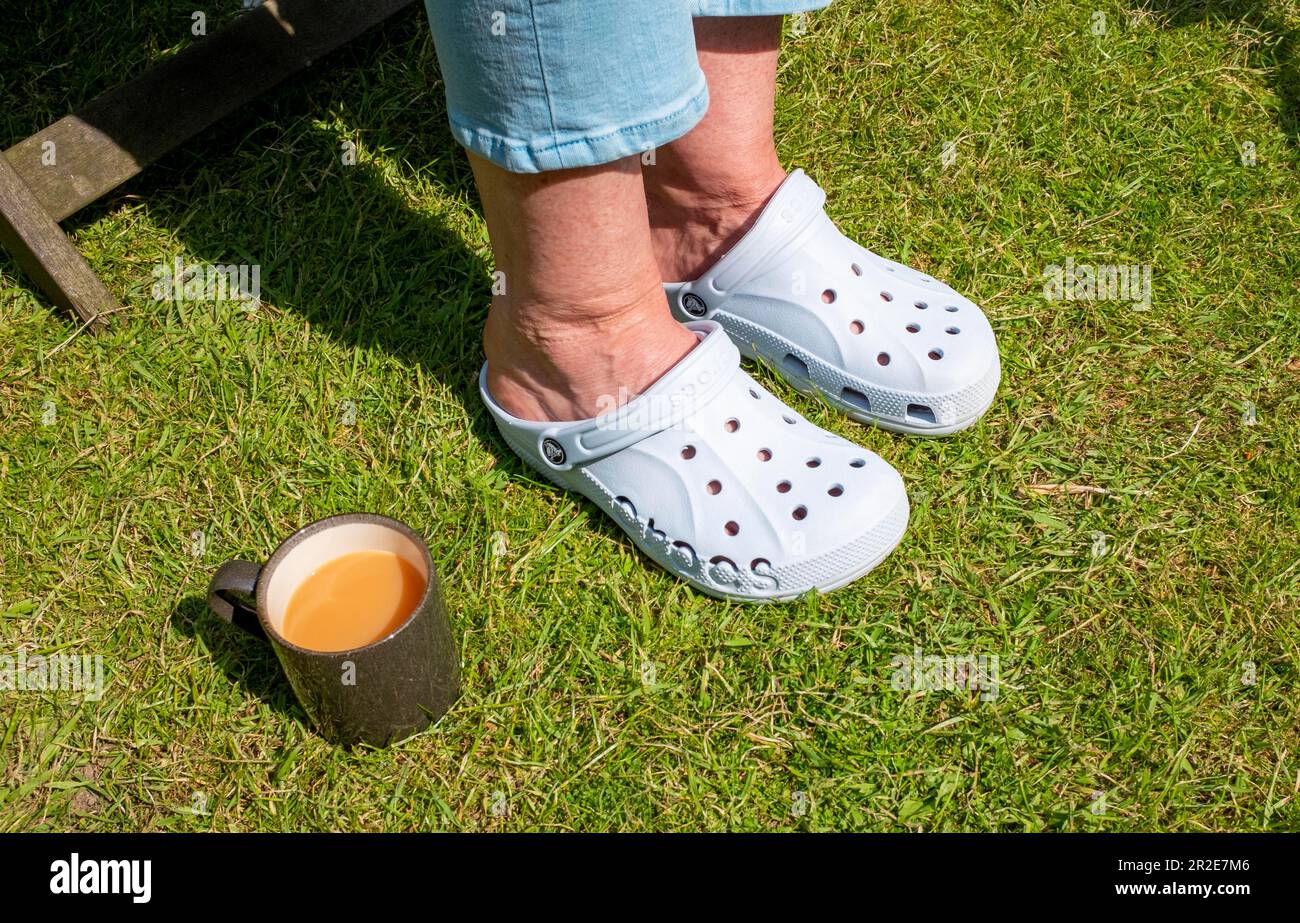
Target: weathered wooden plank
(61,169)
(41,250)
(116,135)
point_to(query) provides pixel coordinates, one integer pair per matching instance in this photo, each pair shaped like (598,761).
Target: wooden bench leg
(40,248)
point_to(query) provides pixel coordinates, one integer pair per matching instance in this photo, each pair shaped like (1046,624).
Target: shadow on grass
(1278,55)
(355,259)
(340,245)
(245,659)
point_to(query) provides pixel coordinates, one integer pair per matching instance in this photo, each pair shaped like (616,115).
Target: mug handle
(234,579)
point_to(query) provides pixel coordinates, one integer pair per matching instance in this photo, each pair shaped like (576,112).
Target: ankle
(549,361)
(696,219)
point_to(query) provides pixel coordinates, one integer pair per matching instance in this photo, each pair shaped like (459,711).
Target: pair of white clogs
(718,480)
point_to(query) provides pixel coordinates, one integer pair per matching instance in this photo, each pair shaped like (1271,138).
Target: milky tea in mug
(352,608)
(352,600)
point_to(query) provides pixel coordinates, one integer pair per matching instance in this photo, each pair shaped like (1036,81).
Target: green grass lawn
(1145,628)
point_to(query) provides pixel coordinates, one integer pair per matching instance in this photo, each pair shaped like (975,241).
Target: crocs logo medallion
(694,305)
(553,451)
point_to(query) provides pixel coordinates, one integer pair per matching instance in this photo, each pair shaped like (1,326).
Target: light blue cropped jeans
(537,85)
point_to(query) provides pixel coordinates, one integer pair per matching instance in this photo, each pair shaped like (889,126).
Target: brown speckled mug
(376,694)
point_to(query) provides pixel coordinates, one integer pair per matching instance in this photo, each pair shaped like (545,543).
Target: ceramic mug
(379,693)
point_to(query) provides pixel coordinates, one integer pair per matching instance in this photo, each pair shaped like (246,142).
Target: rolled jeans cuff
(560,150)
(755,7)
(536,85)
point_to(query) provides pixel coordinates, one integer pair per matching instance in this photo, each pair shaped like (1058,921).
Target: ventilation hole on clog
(951,309)
(856,327)
(793,365)
(913,328)
(953,331)
(688,451)
(783,487)
(836,490)
(828,296)
(732,528)
(755,564)
(813,462)
(883,358)
(764,454)
(753,394)
(936,354)
(920,305)
(787,418)
(714,487)
(921,412)
(722,559)
(858,463)
(857,270)
(800,512)
(732,425)
(856,398)
(657,533)
(628,506)
(688,552)
(891,269)
(886,296)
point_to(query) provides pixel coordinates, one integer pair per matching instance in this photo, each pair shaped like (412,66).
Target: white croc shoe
(721,483)
(884,343)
